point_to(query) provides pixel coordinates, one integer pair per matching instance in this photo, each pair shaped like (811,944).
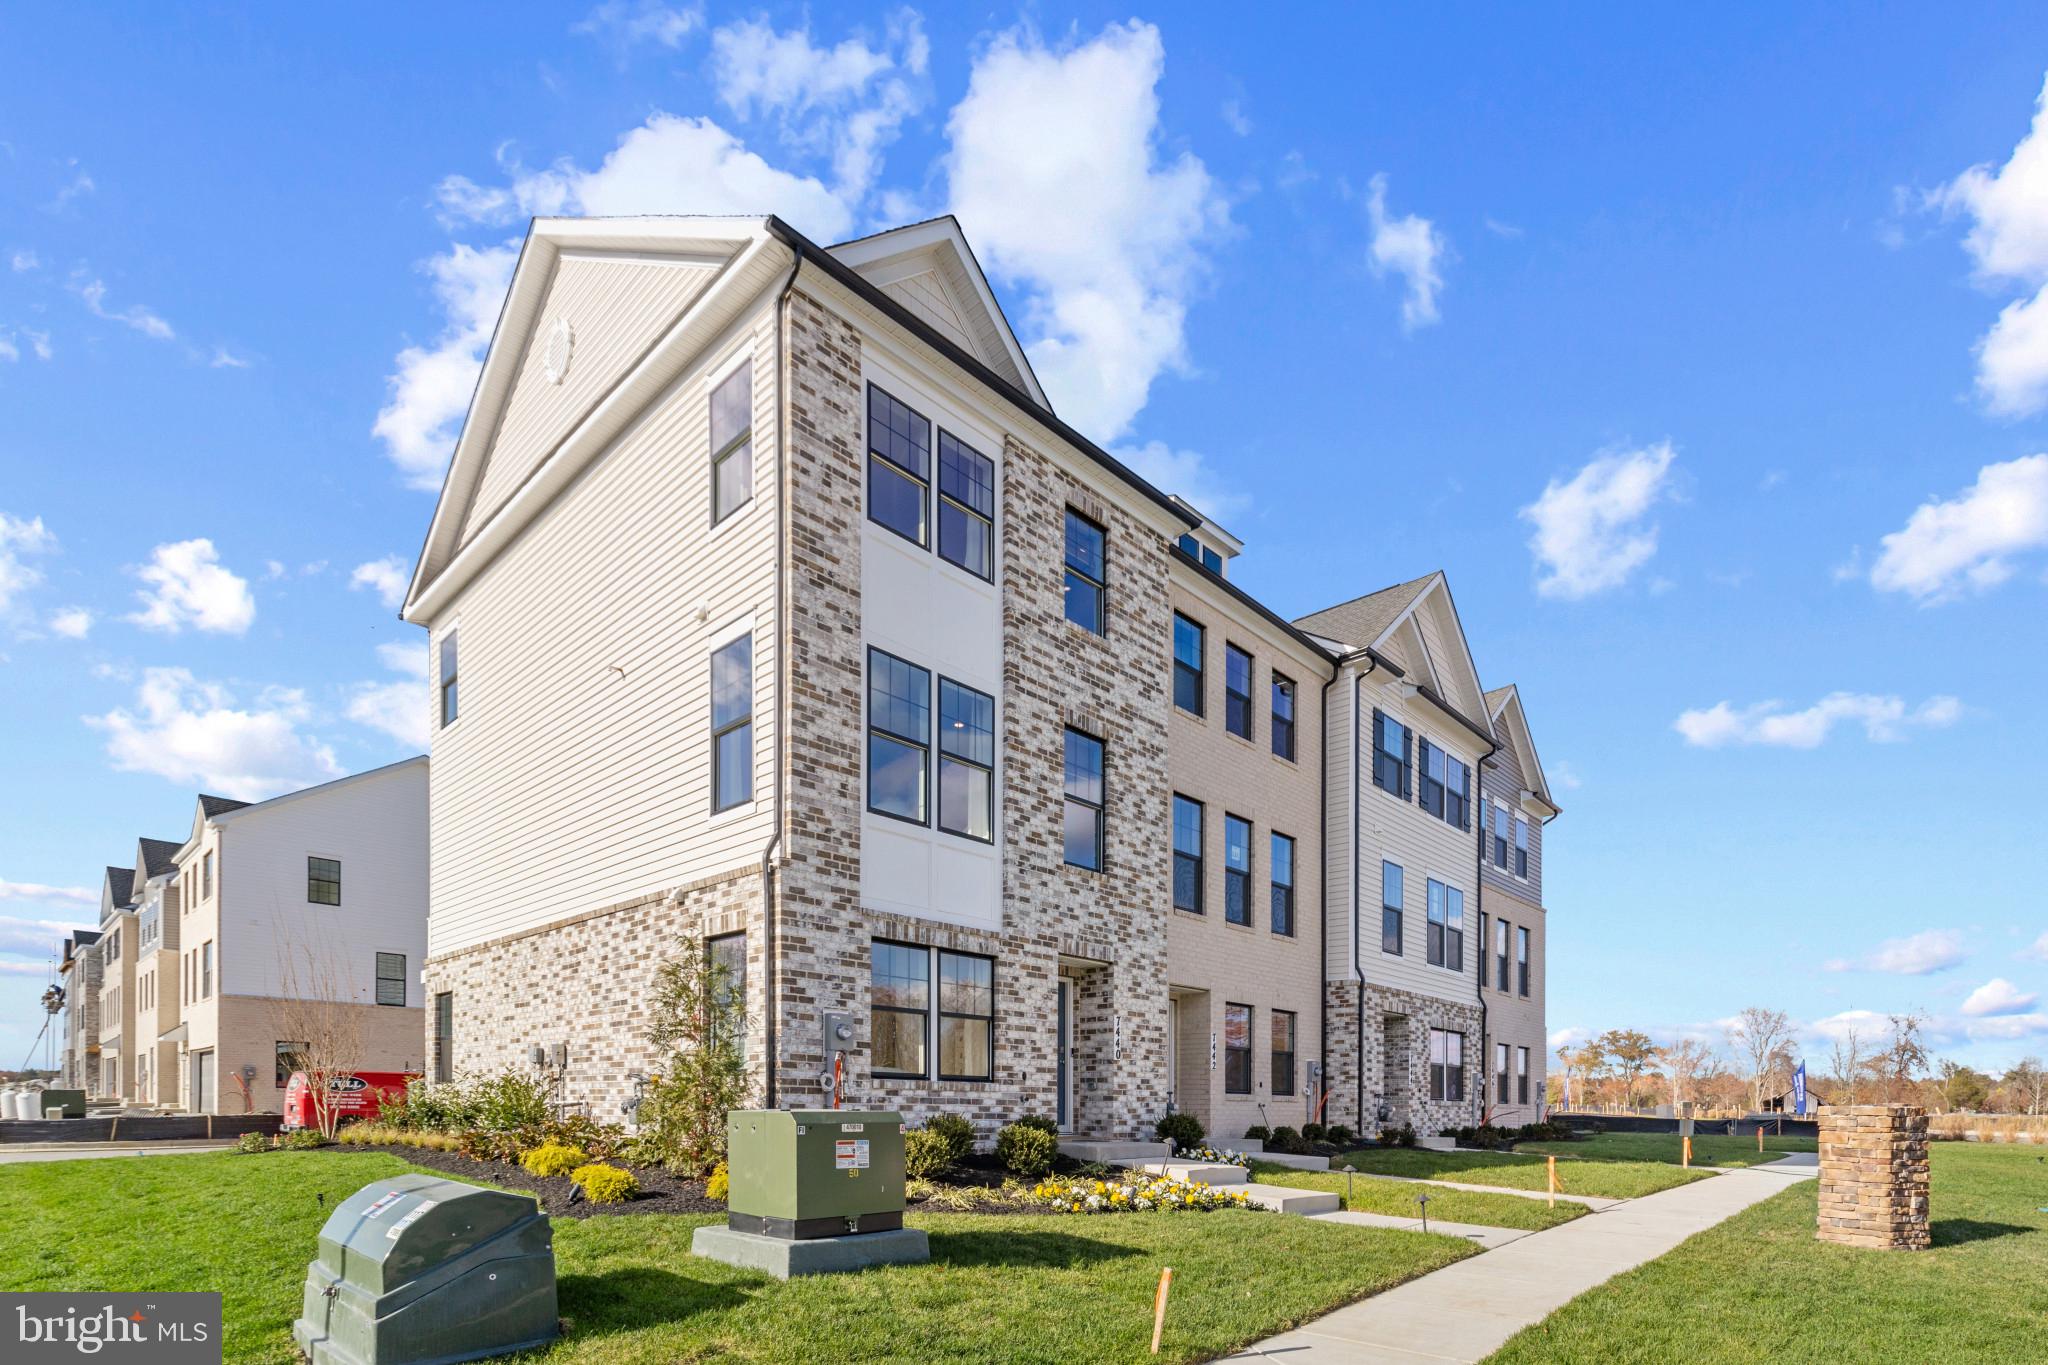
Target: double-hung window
(899,736)
(206,875)
(391,979)
(206,971)
(967,1017)
(1457,792)
(728,954)
(1283,884)
(1521,964)
(899,1000)
(1500,1072)
(1084,801)
(732,442)
(1389,754)
(1446,1065)
(967,506)
(1237,869)
(1237,1049)
(1521,1075)
(1187,854)
(1187,664)
(967,761)
(323,881)
(1087,572)
(1283,1052)
(449,708)
(1237,691)
(1446,911)
(1283,717)
(1392,891)
(899,465)
(1430,765)
(732,724)
(1521,847)
(1500,836)
(1500,955)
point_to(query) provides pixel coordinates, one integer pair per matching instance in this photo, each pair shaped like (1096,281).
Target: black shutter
(1469,783)
(1410,740)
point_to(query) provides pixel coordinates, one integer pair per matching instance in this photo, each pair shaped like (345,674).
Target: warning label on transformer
(850,1154)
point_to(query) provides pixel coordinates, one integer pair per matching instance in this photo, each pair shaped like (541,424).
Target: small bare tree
(1904,1059)
(1684,1061)
(2028,1080)
(1759,1036)
(318,1012)
(1848,1062)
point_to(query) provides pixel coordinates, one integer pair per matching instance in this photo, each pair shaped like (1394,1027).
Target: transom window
(1187,854)
(391,978)
(1283,884)
(1237,691)
(1283,1052)
(967,761)
(1087,572)
(1283,717)
(1446,1065)
(1187,664)
(1237,869)
(899,736)
(967,506)
(1389,754)
(1446,910)
(323,881)
(1237,1049)
(1392,893)
(1084,801)
(732,443)
(732,724)
(899,465)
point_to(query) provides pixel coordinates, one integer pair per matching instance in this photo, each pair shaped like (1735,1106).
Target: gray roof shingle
(1363,620)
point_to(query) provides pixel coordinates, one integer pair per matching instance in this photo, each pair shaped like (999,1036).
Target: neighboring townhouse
(771,605)
(121,896)
(317,895)
(1515,805)
(82,981)
(156,1009)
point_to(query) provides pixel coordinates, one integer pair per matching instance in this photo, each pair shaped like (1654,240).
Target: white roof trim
(1438,583)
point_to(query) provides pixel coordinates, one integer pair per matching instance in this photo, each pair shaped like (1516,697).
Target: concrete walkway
(1593,1202)
(1466,1311)
(1489,1238)
(17,1152)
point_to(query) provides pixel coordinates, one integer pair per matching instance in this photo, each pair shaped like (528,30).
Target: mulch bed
(660,1192)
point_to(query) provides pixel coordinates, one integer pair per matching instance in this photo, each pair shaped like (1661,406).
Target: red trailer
(358,1095)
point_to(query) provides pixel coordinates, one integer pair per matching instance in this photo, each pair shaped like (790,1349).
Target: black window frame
(1393,914)
(287,1060)
(1390,770)
(1521,1074)
(922,482)
(945,756)
(923,746)
(315,882)
(451,701)
(1280,721)
(1094,588)
(1239,1060)
(384,978)
(924,1033)
(739,445)
(1195,674)
(975,517)
(941,1014)
(743,721)
(444,1037)
(1446,946)
(1237,881)
(1237,705)
(1429,789)
(1197,860)
(1457,791)
(1501,939)
(1522,847)
(1522,947)
(1282,1077)
(718,949)
(1447,1077)
(1099,806)
(1282,903)
(1500,834)
(1501,1058)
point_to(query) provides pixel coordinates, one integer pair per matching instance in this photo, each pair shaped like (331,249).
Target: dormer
(1208,544)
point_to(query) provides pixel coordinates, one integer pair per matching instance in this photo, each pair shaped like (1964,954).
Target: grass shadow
(1003,1247)
(635,1297)
(1948,1232)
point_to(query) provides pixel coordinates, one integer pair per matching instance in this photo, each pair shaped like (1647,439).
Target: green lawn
(1760,1287)
(999,1288)
(1715,1149)
(1509,1171)
(1453,1206)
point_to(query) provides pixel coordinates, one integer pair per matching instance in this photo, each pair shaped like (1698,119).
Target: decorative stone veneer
(1873,1177)
(1394,1052)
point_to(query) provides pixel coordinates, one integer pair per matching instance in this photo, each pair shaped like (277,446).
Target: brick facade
(1393,1049)
(1873,1177)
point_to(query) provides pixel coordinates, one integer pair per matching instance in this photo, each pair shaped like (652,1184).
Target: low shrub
(1285,1140)
(1028,1152)
(552,1159)
(1313,1132)
(719,1185)
(252,1142)
(602,1184)
(957,1133)
(1543,1132)
(1258,1132)
(1182,1130)
(1486,1137)
(926,1152)
(1338,1133)
(1404,1136)
(1136,1194)
(493,1104)
(1038,1121)
(304,1139)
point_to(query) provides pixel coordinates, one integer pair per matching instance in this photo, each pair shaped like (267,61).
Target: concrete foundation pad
(784,1258)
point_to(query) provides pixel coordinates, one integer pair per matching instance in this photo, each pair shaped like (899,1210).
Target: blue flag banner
(1799,1090)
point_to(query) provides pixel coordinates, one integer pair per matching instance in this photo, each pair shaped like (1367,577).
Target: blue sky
(1705,361)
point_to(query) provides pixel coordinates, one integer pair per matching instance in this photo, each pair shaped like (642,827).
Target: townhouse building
(770,604)
(122,893)
(80,973)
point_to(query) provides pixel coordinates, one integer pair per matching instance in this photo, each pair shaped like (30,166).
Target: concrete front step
(1196,1170)
(1287,1199)
(1114,1153)
(1299,1163)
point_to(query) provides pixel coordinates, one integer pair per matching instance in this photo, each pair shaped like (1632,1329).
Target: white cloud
(1058,178)
(1411,247)
(1929,951)
(1870,1026)
(431,386)
(40,891)
(1884,719)
(1967,542)
(2006,1027)
(73,623)
(1234,118)
(11,339)
(2037,950)
(1568,1037)
(1563,774)
(18,540)
(224,359)
(1998,996)
(34,937)
(78,187)
(1187,473)
(189,587)
(194,733)
(386,577)
(401,709)
(1506,231)
(94,292)
(1592,531)
(24,260)
(626,26)
(35,969)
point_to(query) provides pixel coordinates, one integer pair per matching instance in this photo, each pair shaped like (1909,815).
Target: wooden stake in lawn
(1759,1137)
(1687,1160)
(1551,1162)
(1159,1307)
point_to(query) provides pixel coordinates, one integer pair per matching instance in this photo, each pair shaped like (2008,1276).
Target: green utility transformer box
(805,1173)
(416,1270)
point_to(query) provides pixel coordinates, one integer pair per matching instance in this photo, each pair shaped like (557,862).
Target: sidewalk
(14,1153)
(1466,1311)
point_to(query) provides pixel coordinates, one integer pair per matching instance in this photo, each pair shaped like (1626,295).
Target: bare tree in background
(1848,1062)
(1684,1061)
(1760,1036)
(320,1013)
(1903,1060)
(2029,1082)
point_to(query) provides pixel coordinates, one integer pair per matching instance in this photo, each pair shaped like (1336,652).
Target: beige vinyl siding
(1446,650)
(616,308)
(926,297)
(578,773)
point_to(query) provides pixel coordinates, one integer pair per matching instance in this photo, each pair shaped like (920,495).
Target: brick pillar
(1873,1176)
